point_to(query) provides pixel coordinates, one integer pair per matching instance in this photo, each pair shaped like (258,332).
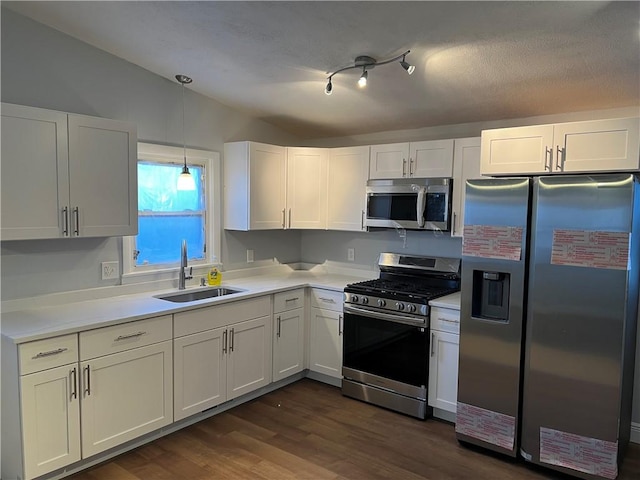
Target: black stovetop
(415,288)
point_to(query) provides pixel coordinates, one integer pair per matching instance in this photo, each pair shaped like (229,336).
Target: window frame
(210,160)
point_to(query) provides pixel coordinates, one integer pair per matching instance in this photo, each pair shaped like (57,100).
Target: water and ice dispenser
(490,299)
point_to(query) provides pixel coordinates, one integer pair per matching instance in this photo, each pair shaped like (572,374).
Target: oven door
(387,350)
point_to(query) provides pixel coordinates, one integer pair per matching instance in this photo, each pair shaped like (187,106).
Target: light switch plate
(249,256)
(351,254)
(110,270)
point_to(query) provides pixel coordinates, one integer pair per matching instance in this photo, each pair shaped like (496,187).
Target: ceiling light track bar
(367,63)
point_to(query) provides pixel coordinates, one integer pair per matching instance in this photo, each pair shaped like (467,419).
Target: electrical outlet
(110,270)
(351,254)
(249,256)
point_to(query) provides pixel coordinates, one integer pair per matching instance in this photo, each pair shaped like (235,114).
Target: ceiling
(475,61)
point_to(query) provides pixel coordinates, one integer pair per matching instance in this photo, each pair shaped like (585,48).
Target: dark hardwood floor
(308,430)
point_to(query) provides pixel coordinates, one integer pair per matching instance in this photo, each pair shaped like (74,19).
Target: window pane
(157,188)
(167,216)
(160,238)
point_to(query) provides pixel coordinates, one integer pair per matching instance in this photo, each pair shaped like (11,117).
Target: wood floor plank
(309,431)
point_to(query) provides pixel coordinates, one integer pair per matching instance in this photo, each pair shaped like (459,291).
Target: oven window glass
(436,207)
(396,206)
(387,349)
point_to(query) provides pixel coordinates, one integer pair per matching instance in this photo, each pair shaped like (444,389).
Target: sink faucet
(183,265)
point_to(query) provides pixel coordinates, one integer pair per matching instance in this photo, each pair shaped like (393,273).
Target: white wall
(44,68)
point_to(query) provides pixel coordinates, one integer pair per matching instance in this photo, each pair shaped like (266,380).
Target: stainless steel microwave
(409,203)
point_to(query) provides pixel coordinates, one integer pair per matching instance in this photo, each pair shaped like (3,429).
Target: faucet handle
(190,276)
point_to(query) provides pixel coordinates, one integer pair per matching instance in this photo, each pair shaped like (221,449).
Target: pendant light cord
(184,140)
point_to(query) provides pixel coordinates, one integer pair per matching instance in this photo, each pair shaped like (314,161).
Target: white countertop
(448,301)
(47,321)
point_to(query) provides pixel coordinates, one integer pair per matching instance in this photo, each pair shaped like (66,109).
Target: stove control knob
(411,308)
(400,305)
(364,300)
(381,303)
(354,298)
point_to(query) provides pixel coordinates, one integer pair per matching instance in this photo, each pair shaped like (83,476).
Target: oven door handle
(389,317)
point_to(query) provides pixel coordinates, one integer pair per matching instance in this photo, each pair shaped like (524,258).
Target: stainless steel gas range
(386,331)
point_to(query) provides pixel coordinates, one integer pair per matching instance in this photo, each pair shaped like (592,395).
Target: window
(166,216)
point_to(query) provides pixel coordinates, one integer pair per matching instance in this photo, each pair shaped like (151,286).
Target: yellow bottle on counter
(214,277)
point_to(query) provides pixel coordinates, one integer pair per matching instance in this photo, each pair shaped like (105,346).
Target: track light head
(328,90)
(407,66)
(362,82)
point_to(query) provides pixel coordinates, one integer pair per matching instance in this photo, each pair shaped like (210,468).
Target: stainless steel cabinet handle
(454,224)
(231,342)
(65,221)
(224,342)
(560,152)
(279,325)
(433,341)
(447,320)
(283,217)
(340,325)
(131,335)
(87,389)
(548,158)
(74,383)
(410,166)
(404,167)
(76,226)
(289,218)
(362,220)
(51,352)
(292,299)
(328,300)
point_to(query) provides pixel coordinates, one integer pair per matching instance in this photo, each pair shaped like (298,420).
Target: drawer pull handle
(294,299)
(87,389)
(447,320)
(131,335)
(279,326)
(74,383)
(51,352)
(232,341)
(328,300)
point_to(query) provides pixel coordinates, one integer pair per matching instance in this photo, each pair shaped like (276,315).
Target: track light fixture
(367,63)
(185,180)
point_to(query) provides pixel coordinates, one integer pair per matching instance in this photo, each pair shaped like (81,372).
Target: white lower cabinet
(288,333)
(443,361)
(50,420)
(325,344)
(221,352)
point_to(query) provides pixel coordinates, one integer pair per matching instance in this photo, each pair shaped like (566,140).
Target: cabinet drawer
(194,321)
(445,320)
(108,340)
(327,299)
(288,300)
(48,353)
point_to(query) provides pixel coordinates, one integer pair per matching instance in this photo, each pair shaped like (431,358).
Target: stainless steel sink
(198,294)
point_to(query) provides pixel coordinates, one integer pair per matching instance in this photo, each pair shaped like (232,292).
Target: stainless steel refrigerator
(550,278)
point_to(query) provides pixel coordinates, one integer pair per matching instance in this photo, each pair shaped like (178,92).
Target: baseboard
(635,432)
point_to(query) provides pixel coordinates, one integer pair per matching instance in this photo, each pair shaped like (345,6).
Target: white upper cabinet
(466,165)
(347,173)
(592,146)
(428,159)
(66,175)
(307,187)
(254,186)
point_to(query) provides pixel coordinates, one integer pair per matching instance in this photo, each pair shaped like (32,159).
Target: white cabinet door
(347,174)
(443,371)
(431,159)
(389,161)
(288,343)
(126,395)
(466,165)
(35,175)
(267,184)
(103,177)
(601,145)
(249,361)
(307,188)
(515,151)
(200,372)
(50,406)
(325,349)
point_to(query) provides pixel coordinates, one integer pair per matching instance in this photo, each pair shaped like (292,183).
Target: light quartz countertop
(449,301)
(31,324)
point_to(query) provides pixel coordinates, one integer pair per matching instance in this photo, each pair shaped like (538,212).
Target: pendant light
(185,180)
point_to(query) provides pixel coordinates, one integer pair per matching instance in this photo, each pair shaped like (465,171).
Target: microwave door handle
(422,196)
